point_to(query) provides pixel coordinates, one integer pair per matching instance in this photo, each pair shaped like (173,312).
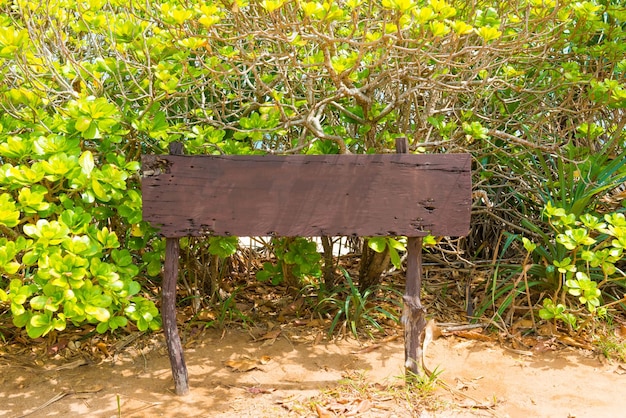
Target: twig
(57,398)
(126,341)
(71,365)
(465,327)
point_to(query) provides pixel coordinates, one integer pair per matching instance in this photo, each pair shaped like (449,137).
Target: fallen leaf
(71,365)
(542,346)
(272,335)
(523,323)
(363,406)
(367,349)
(244,365)
(461,385)
(323,412)
(546,330)
(390,338)
(103,347)
(256,390)
(564,339)
(206,315)
(465,385)
(268,343)
(472,335)
(433,329)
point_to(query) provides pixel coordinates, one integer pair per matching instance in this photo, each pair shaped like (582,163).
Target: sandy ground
(289,376)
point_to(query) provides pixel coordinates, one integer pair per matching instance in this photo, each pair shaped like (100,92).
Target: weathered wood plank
(362,195)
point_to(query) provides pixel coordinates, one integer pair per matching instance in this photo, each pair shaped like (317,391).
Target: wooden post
(168,307)
(413,312)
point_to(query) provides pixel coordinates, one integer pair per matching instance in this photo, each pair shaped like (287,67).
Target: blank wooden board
(308,195)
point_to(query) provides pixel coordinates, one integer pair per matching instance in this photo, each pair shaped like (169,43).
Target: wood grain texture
(361,195)
(168,313)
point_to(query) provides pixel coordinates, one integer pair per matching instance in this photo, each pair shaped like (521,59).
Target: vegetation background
(535,90)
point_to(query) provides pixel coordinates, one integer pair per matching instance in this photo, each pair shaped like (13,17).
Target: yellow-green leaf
(86,162)
(461,28)
(101,314)
(272,5)
(424,14)
(488,33)
(439,28)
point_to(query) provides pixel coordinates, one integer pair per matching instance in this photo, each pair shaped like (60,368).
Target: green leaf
(100,314)
(133,288)
(38,302)
(86,163)
(9,215)
(395,258)
(107,238)
(99,191)
(396,244)
(117,322)
(488,33)
(32,199)
(377,244)
(223,246)
(528,245)
(39,321)
(36,332)
(102,327)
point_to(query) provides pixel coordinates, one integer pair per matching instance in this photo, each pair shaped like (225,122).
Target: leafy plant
(89,87)
(352,309)
(580,259)
(557,312)
(393,245)
(425,383)
(612,346)
(297,259)
(64,196)
(577,186)
(71,271)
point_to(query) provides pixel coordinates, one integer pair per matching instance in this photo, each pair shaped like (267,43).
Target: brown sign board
(308,195)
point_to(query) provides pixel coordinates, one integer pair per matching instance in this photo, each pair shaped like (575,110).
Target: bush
(90,86)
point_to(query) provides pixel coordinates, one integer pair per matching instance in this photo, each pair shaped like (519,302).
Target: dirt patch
(294,376)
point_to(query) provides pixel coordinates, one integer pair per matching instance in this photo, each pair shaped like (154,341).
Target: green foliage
(576,182)
(612,346)
(228,312)
(67,267)
(535,89)
(579,258)
(70,208)
(423,383)
(352,309)
(299,255)
(223,246)
(393,245)
(270,272)
(559,311)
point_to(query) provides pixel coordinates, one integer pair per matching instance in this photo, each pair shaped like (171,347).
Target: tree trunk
(290,279)
(330,278)
(214,277)
(372,266)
